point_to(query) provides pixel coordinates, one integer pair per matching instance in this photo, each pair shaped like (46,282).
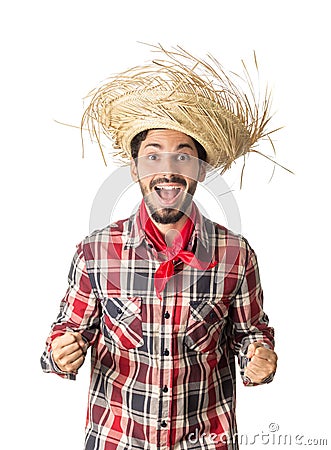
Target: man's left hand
(263,362)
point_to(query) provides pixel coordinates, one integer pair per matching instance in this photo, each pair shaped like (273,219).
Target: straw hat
(180,92)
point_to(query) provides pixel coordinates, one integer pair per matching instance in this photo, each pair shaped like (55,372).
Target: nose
(168,165)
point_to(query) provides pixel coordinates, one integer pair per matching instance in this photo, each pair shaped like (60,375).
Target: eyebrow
(179,147)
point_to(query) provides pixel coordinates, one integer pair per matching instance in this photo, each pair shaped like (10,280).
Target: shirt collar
(136,234)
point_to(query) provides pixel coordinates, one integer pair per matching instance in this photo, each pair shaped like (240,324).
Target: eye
(183,157)
(152,157)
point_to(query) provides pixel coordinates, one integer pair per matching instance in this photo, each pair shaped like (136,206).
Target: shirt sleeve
(79,312)
(249,322)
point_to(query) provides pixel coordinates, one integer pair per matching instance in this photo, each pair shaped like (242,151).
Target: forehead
(168,138)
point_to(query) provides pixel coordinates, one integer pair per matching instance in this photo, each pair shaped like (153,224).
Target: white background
(53,53)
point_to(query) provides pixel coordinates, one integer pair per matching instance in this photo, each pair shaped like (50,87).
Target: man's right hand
(69,351)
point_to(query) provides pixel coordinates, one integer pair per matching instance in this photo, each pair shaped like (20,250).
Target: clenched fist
(69,351)
(263,362)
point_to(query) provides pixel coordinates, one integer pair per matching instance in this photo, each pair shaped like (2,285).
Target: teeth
(168,188)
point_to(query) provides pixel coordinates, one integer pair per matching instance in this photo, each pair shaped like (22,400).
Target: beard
(168,215)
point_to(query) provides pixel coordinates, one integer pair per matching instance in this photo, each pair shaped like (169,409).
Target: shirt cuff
(57,370)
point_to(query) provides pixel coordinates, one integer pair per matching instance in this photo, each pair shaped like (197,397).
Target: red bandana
(175,252)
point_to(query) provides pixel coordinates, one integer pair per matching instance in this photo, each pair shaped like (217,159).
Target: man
(165,299)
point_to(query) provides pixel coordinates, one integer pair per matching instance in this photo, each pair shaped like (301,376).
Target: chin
(167,216)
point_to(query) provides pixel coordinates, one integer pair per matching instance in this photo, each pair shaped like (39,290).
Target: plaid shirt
(162,372)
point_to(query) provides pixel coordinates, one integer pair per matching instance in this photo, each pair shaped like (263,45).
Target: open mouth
(168,193)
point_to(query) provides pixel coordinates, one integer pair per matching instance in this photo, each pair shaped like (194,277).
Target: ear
(202,171)
(133,170)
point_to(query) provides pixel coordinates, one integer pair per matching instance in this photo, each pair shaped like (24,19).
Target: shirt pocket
(206,321)
(121,322)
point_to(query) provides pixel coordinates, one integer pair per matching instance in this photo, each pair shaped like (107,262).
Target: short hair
(140,137)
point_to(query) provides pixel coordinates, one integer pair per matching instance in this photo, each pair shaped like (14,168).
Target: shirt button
(166,352)
(165,389)
(166,315)
(163,423)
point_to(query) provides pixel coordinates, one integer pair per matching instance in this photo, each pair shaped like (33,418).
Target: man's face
(168,170)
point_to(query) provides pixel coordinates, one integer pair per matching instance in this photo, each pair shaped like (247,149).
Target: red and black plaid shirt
(163,372)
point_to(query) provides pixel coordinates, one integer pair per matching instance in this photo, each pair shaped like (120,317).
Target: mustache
(173,179)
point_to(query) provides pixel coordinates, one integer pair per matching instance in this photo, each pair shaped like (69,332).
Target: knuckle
(59,354)
(57,357)
(64,361)
(79,348)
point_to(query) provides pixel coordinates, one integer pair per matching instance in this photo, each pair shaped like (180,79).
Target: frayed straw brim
(182,93)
